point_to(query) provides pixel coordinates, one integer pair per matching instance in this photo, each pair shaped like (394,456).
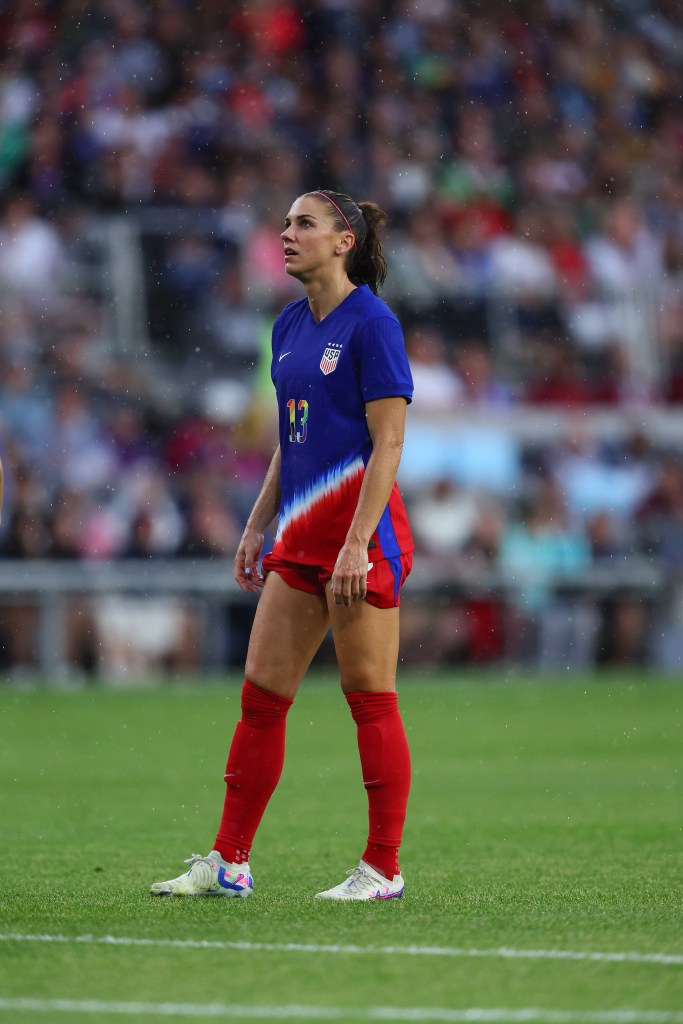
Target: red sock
(254,766)
(385,760)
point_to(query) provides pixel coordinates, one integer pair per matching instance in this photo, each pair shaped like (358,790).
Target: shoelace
(362,880)
(194,858)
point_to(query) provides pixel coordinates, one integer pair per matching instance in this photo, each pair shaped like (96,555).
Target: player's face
(311,241)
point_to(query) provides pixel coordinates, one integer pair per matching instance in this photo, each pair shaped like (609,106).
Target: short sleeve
(384,367)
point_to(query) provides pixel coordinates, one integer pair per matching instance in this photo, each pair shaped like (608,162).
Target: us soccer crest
(330,358)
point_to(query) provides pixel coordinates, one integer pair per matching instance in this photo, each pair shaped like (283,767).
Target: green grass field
(543,859)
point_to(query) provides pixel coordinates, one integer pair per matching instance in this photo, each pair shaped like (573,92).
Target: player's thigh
(366,645)
(288,629)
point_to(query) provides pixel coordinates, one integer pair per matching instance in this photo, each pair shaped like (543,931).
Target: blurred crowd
(530,159)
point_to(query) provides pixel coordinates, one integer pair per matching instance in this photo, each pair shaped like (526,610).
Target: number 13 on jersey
(298,411)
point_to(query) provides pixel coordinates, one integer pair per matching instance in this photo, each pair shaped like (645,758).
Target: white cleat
(208,876)
(364,883)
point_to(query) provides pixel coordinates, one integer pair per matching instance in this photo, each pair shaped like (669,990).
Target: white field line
(471,1015)
(502,953)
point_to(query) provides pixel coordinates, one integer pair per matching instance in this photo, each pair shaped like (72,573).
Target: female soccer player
(343,545)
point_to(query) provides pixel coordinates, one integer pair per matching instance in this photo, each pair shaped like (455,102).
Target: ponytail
(365,263)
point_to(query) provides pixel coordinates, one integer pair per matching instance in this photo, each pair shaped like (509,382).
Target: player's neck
(325,295)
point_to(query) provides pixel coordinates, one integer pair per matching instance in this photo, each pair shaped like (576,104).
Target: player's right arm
(266,507)
(2,487)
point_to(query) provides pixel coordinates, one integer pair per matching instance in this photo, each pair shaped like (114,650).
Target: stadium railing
(48,587)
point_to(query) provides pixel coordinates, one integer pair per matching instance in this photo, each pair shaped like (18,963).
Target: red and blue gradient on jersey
(313,526)
(312,519)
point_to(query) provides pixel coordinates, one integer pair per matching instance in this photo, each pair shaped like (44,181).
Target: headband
(325,196)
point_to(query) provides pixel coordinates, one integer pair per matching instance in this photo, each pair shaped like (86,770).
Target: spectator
(623,635)
(609,539)
(660,517)
(212,528)
(70,512)
(469,233)
(477,170)
(618,383)
(437,387)
(557,378)
(31,253)
(521,266)
(424,269)
(626,253)
(149,515)
(593,483)
(136,637)
(25,407)
(626,266)
(444,520)
(481,388)
(78,453)
(236,327)
(539,556)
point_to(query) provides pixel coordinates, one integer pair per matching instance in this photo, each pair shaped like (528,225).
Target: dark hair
(365,263)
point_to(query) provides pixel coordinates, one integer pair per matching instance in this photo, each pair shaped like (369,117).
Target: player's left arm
(2,487)
(386,418)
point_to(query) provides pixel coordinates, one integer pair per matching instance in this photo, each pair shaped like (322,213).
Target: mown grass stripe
(502,953)
(474,1015)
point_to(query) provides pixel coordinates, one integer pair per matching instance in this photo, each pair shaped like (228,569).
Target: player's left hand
(349,581)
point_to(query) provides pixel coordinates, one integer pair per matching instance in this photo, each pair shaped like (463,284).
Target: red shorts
(385,578)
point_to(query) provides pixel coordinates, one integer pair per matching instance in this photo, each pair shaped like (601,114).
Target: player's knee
(271,677)
(262,678)
(366,681)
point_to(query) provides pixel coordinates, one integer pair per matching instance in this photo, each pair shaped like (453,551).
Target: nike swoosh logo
(284,354)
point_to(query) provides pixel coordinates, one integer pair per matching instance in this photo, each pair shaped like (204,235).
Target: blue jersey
(324,373)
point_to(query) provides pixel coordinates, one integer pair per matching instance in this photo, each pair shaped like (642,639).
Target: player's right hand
(247,572)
